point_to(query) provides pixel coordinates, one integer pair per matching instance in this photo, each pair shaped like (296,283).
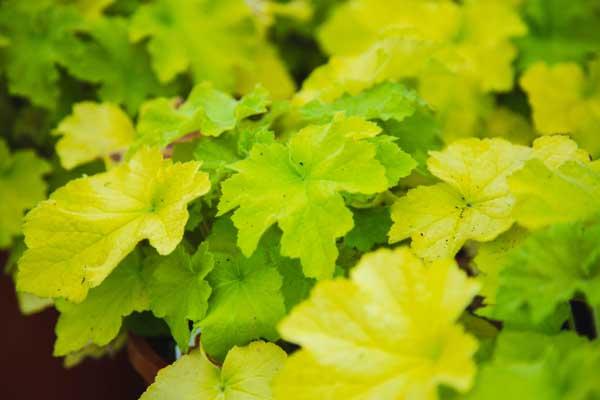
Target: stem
(596,318)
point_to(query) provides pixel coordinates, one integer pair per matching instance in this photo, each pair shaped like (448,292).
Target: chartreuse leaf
(21,187)
(472,39)
(473,202)
(461,106)
(556,150)
(298,186)
(417,135)
(246,374)
(549,268)
(564,100)
(95,352)
(385,101)
(510,125)
(534,366)
(207,110)
(344,328)
(246,301)
(178,290)
(109,59)
(454,58)
(371,226)
(98,318)
(354,27)
(562,187)
(482,48)
(393,58)
(93,130)
(559,31)
(178,43)
(492,257)
(46,30)
(226,48)
(79,235)
(92,9)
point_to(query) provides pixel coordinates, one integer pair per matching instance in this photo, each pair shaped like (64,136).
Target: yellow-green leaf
(93,130)
(80,234)
(564,100)
(389,332)
(246,375)
(473,203)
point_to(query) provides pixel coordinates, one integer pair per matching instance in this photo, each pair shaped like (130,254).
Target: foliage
(311,199)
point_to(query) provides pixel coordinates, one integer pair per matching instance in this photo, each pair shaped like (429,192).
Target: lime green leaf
(207,110)
(47,32)
(482,49)
(246,301)
(384,101)
(492,257)
(344,329)
(417,135)
(473,203)
(21,187)
(393,58)
(92,9)
(353,27)
(507,124)
(472,39)
(226,48)
(93,130)
(31,304)
(371,226)
(564,100)
(298,187)
(539,367)
(548,269)
(178,291)
(556,150)
(559,31)
(177,42)
(96,352)
(217,154)
(79,235)
(545,196)
(246,374)
(98,318)
(461,107)
(109,59)
(396,162)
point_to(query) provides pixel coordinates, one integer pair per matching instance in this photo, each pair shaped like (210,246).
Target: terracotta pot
(144,359)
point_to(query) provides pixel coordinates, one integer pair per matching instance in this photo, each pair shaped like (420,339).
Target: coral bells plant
(362,199)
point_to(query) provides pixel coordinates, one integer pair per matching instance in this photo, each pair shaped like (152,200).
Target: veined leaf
(97,320)
(344,330)
(566,101)
(539,367)
(298,186)
(21,187)
(207,110)
(216,41)
(247,300)
(93,130)
(178,290)
(473,203)
(548,269)
(79,235)
(246,374)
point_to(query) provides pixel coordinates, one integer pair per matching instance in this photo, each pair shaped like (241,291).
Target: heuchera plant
(363,199)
